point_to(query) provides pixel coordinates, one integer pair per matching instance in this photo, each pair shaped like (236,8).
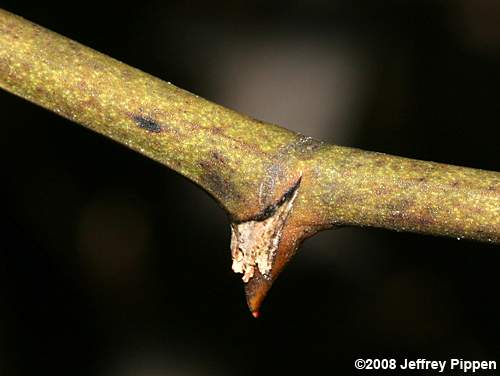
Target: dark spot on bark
(455,184)
(147,123)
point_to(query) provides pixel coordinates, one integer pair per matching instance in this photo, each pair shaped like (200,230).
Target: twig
(278,187)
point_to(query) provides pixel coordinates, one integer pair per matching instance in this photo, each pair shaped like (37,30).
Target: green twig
(279,187)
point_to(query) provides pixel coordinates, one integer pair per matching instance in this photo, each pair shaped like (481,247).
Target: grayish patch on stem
(254,243)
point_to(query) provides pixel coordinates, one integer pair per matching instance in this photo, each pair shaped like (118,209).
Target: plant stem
(248,166)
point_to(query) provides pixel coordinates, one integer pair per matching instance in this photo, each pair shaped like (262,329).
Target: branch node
(254,242)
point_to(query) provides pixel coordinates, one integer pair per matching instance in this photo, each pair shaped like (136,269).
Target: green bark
(248,166)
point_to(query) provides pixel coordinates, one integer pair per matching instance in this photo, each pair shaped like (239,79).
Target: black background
(111,264)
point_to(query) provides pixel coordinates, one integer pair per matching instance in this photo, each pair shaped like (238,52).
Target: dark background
(112,265)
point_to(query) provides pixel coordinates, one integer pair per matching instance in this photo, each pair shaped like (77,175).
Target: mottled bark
(248,166)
